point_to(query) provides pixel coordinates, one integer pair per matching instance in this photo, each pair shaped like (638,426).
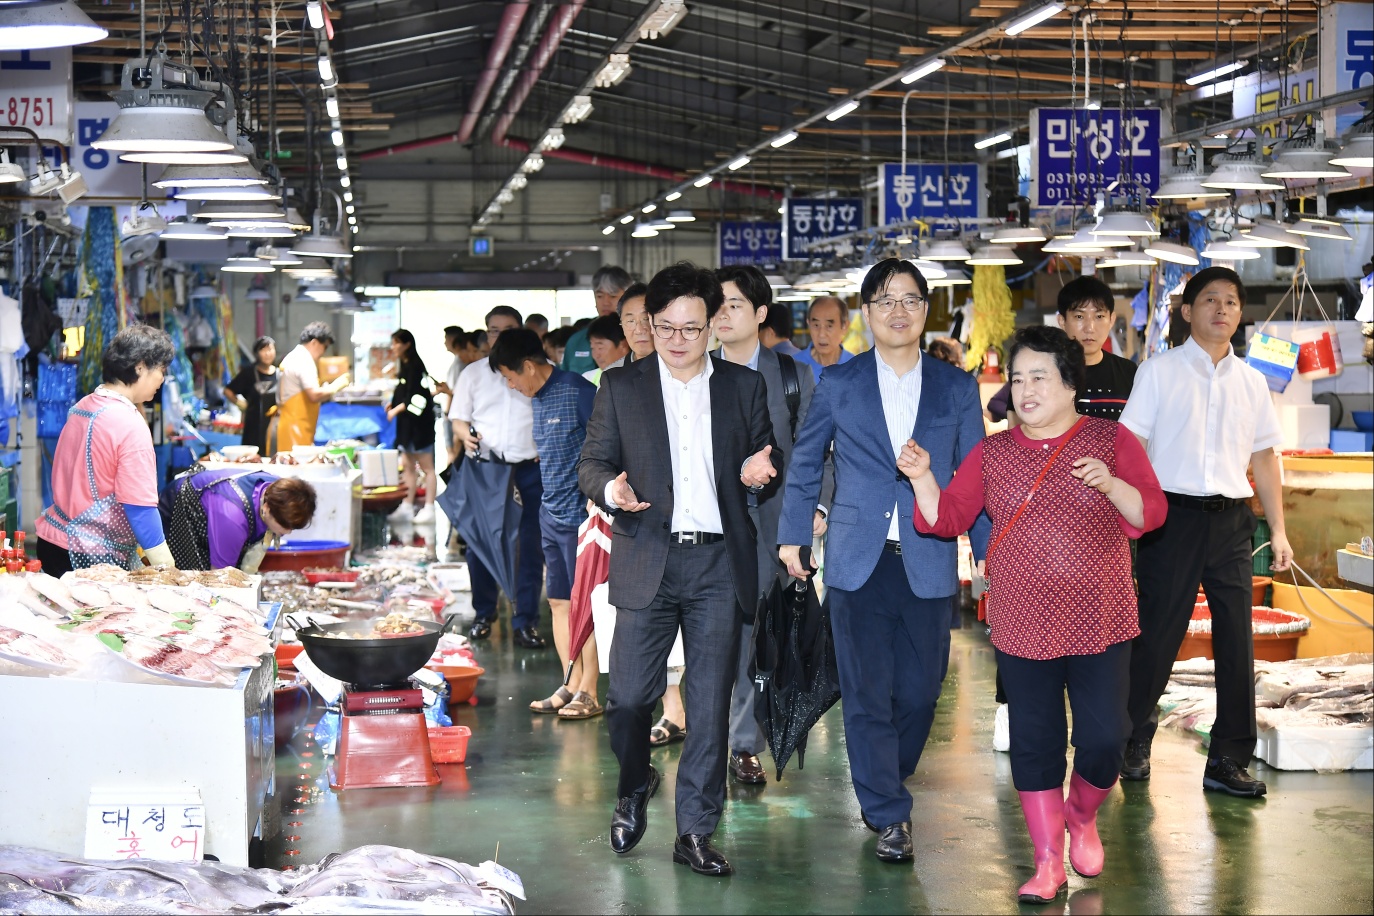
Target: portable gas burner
(383,740)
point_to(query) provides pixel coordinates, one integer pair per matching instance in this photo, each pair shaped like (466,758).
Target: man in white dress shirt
(491,421)
(1203,416)
(676,443)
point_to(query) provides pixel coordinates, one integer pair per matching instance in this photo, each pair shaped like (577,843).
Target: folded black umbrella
(795,668)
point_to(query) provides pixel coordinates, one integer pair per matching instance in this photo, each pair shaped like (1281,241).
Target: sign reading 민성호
(759,244)
(813,219)
(930,190)
(1096,147)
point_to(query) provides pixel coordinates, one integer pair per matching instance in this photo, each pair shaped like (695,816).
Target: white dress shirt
(901,397)
(1201,422)
(687,408)
(503,416)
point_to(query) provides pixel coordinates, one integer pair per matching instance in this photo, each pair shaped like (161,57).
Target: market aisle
(545,789)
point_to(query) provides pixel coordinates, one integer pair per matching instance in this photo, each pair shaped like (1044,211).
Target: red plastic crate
(449,744)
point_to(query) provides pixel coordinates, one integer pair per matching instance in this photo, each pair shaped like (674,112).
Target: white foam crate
(1328,749)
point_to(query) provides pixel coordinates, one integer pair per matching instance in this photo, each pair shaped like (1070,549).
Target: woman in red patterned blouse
(1061,601)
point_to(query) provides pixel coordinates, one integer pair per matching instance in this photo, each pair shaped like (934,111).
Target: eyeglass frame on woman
(891,304)
(660,328)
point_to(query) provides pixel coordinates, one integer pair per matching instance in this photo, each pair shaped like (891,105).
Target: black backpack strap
(791,388)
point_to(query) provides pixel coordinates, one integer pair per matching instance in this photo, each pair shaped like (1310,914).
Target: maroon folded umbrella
(593,568)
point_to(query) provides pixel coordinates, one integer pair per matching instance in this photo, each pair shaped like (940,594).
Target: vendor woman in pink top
(104,471)
(1064,493)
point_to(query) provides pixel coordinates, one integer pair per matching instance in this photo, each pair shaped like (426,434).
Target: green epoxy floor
(544,789)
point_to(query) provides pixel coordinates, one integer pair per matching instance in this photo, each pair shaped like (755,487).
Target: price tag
(145,824)
(502,878)
(36,92)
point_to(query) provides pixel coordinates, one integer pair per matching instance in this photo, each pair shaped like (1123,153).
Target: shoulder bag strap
(791,388)
(1035,486)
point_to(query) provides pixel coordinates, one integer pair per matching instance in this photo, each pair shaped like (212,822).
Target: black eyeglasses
(666,331)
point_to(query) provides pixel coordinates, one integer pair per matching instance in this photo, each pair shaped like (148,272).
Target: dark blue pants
(1098,686)
(529,565)
(892,648)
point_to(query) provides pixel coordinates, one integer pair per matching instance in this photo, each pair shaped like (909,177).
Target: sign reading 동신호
(36,92)
(930,191)
(750,243)
(807,220)
(1076,153)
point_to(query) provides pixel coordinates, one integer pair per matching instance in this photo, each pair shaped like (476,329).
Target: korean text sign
(145,825)
(814,219)
(1077,153)
(930,190)
(744,243)
(36,92)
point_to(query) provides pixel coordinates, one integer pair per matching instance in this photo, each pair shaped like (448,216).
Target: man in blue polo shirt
(562,404)
(828,321)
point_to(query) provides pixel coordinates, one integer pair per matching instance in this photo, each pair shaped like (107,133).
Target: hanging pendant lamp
(1305,156)
(1357,146)
(29,25)
(166,119)
(1239,172)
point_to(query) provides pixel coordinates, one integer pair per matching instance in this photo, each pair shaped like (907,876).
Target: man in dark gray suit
(748,300)
(675,444)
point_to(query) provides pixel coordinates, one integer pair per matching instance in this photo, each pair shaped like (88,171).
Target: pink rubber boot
(1045,823)
(1080,814)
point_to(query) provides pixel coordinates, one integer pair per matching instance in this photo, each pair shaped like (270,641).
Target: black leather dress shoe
(747,769)
(696,851)
(895,843)
(1226,775)
(529,638)
(630,817)
(480,629)
(869,824)
(1135,766)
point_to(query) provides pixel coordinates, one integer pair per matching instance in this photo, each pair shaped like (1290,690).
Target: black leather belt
(1202,503)
(694,538)
(893,547)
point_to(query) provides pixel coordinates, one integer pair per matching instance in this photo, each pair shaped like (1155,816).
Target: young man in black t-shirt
(1086,314)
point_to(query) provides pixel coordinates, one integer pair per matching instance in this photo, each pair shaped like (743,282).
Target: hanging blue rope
(102,318)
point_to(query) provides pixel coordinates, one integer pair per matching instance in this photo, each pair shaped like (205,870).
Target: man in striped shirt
(562,404)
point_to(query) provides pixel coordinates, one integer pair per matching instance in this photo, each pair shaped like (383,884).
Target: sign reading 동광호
(814,219)
(759,244)
(1076,153)
(930,190)
(36,92)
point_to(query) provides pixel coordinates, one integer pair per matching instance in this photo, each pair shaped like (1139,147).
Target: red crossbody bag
(987,558)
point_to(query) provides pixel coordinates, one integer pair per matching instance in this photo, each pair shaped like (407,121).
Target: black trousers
(55,560)
(1212,549)
(1097,686)
(697,593)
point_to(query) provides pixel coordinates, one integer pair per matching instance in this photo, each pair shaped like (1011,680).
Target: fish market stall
(137,687)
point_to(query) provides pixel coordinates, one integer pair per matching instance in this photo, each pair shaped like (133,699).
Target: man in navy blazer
(888,586)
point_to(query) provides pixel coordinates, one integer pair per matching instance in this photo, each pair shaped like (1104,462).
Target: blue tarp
(354,421)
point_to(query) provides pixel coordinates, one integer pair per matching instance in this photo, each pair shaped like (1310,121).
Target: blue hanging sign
(813,219)
(745,243)
(930,190)
(1092,145)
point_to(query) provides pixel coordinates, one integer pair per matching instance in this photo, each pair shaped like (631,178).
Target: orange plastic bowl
(462,680)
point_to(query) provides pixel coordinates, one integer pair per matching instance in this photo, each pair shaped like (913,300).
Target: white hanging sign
(36,92)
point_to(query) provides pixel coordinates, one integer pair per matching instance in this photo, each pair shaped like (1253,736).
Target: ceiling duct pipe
(496,56)
(553,37)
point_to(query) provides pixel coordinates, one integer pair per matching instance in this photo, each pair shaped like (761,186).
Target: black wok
(372,661)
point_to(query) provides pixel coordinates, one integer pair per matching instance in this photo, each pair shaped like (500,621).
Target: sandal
(562,696)
(665,732)
(583,706)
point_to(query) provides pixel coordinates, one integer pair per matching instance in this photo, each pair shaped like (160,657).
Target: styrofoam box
(1328,749)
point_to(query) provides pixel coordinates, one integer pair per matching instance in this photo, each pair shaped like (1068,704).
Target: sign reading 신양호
(1075,153)
(814,219)
(930,190)
(36,92)
(758,244)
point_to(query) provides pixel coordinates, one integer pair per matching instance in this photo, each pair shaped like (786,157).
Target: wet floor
(544,790)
